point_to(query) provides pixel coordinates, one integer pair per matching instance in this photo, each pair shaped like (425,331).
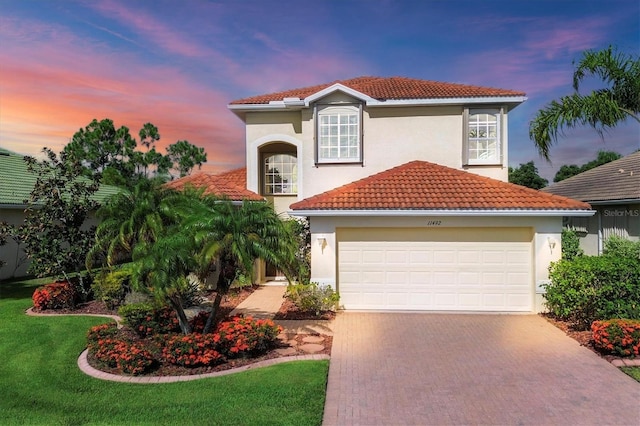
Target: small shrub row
(147,319)
(617,336)
(60,295)
(313,297)
(240,336)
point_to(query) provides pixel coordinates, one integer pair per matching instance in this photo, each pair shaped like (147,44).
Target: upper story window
(483,141)
(280,174)
(339,137)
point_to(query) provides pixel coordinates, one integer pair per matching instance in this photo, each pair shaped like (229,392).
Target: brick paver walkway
(443,369)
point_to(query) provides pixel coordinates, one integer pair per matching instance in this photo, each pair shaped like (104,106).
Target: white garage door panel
(435,275)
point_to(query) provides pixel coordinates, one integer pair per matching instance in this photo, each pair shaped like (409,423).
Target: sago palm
(601,109)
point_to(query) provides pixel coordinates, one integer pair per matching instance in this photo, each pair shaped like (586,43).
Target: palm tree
(160,268)
(233,236)
(127,219)
(601,109)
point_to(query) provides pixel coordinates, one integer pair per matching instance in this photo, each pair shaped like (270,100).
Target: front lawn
(632,371)
(43,385)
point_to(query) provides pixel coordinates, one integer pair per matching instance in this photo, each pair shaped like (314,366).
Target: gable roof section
(382,91)
(617,181)
(230,185)
(420,186)
(16,182)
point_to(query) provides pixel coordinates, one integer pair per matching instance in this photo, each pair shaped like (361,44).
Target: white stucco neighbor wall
(545,230)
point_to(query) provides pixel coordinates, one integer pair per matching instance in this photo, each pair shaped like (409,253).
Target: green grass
(41,383)
(632,371)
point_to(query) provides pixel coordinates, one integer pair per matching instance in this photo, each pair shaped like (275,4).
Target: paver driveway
(419,369)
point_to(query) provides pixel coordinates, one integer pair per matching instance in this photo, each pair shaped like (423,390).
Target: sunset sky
(177,64)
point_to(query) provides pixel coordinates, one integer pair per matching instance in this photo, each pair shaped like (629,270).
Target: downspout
(599,232)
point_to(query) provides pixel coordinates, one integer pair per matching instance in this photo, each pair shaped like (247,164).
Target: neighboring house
(404,183)
(16,184)
(613,190)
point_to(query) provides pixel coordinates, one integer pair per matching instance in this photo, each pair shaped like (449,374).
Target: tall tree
(567,171)
(527,175)
(601,109)
(53,232)
(186,156)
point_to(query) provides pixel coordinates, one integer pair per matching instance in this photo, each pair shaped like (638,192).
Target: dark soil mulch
(583,337)
(288,311)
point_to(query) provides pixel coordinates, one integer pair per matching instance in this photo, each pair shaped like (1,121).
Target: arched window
(484,145)
(280,174)
(338,134)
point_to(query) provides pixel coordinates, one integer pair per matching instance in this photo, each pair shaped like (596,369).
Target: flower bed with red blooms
(193,350)
(59,295)
(617,336)
(129,353)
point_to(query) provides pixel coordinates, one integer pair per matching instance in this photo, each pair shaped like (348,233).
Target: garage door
(448,269)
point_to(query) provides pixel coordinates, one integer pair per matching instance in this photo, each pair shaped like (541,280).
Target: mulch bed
(583,337)
(229,302)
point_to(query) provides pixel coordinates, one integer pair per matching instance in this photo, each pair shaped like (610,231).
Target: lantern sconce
(552,244)
(322,242)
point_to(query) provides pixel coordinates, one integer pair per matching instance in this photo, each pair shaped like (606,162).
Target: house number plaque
(434,222)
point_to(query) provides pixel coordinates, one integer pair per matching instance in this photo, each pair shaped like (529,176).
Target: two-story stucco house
(404,184)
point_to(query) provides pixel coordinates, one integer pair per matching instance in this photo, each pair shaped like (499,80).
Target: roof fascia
(391,213)
(615,202)
(515,100)
(337,88)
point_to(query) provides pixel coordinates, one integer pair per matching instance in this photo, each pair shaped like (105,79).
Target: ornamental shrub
(192,350)
(111,287)
(617,336)
(570,244)
(313,297)
(99,333)
(246,336)
(147,319)
(60,295)
(621,247)
(127,357)
(589,288)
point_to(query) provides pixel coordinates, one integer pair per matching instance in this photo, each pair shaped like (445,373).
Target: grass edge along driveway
(43,385)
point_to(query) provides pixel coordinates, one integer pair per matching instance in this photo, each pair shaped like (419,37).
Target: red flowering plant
(98,333)
(146,319)
(58,295)
(192,350)
(617,336)
(243,336)
(127,357)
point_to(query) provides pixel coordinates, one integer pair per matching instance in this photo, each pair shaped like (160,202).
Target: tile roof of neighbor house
(420,185)
(385,88)
(231,185)
(615,181)
(16,182)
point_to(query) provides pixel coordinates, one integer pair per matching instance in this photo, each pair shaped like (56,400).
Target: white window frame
(287,161)
(335,134)
(484,129)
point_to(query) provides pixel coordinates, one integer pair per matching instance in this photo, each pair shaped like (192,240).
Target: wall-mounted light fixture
(322,243)
(552,244)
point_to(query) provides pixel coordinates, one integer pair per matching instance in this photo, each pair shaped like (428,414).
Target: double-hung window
(338,134)
(483,142)
(280,174)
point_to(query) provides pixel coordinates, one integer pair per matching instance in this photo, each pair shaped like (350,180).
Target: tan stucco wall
(391,137)
(539,230)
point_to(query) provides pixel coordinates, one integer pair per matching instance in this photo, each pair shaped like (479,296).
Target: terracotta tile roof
(420,185)
(231,185)
(383,88)
(617,180)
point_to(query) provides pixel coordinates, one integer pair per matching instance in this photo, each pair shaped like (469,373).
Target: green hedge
(589,288)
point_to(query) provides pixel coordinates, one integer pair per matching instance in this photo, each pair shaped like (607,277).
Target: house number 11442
(434,223)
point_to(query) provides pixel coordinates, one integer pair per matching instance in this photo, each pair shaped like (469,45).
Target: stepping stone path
(311,345)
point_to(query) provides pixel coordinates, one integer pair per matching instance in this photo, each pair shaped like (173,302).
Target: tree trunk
(211,321)
(185,327)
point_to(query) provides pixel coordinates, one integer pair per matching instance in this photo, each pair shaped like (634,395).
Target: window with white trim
(280,174)
(483,142)
(338,139)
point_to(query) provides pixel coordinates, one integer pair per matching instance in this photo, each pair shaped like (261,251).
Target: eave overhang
(464,213)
